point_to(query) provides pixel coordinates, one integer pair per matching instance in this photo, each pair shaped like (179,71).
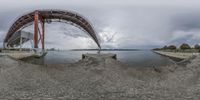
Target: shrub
(172,47)
(165,47)
(156,49)
(197,46)
(185,46)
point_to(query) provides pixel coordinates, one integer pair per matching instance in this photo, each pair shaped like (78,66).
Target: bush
(197,46)
(185,46)
(172,47)
(156,49)
(165,47)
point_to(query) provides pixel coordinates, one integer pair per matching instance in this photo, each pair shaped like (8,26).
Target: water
(144,58)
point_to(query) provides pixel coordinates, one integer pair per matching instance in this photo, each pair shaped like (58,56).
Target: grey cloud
(49,42)
(135,26)
(191,37)
(188,21)
(38,3)
(184,39)
(73,32)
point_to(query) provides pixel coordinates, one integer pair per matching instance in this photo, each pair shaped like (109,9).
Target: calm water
(143,58)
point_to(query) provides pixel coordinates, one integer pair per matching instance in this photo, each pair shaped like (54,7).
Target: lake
(142,58)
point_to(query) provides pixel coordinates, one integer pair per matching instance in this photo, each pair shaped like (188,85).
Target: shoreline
(177,55)
(95,77)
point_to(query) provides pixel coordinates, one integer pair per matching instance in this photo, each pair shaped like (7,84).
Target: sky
(133,24)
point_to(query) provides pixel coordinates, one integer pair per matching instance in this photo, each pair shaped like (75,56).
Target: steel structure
(20,37)
(40,17)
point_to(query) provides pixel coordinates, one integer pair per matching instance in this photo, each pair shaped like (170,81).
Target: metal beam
(35,16)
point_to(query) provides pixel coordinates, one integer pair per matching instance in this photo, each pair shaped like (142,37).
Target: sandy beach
(178,55)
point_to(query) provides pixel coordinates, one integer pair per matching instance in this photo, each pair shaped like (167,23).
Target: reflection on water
(145,58)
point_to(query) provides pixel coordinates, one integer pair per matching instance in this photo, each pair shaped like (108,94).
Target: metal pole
(36,16)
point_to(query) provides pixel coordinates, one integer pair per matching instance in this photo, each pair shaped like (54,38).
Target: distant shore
(179,55)
(106,49)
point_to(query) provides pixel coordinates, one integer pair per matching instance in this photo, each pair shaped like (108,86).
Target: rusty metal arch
(48,15)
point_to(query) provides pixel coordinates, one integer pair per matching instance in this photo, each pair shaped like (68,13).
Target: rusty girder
(46,15)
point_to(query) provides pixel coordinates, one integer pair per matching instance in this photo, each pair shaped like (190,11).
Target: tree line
(183,46)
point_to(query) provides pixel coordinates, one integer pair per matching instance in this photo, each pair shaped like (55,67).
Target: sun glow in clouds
(109,37)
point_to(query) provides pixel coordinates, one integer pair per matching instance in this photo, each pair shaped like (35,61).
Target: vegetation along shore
(184,51)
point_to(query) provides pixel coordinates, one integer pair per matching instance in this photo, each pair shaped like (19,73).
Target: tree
(185,46)
(172,47)
(165,47)
(197,46)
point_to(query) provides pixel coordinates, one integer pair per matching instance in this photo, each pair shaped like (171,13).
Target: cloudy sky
(119,23)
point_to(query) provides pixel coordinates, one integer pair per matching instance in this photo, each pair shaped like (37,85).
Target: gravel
(98,79)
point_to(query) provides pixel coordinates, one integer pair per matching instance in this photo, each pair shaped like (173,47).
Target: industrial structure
(19,37)
(38,18)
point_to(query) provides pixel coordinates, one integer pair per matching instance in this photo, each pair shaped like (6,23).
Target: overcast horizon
(119,24)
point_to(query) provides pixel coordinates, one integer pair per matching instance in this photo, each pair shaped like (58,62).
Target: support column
(20,43)
(36,17)
(43,34)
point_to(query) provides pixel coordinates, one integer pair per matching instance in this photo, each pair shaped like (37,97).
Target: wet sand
(98,79)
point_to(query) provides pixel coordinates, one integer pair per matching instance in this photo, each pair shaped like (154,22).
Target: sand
(179,55)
